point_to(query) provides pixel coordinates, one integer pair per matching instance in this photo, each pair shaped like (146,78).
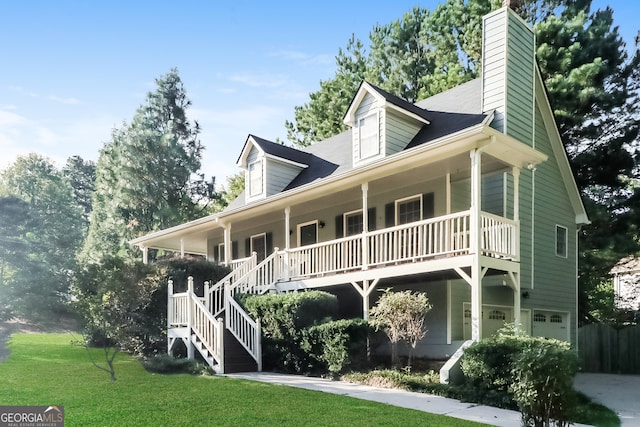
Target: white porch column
(365,228)
(181,248)
(287,241)
(476,242)
(228,250)
(145,254)
(516,210)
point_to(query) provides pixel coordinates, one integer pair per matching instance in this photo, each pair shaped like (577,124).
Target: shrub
(487,365)
(167,364)
(337,345)
(543,383)
(283,317)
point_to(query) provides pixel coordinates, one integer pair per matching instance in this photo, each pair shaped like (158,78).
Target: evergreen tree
(147,175)
(41,235)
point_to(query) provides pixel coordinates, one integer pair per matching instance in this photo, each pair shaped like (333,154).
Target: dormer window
(368,135)
(256,186)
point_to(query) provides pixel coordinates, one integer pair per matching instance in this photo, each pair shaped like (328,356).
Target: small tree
(401,315)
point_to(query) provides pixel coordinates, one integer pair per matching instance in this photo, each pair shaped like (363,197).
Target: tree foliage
(42,230)
(401,315)
(147,175)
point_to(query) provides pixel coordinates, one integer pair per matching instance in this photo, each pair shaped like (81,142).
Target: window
(467,313)
(555,318)
(408,210)
(255,178)
(353,223)
(497,315)
(539,318)
(308,233)
(259,246)
(561,241)
(368,129)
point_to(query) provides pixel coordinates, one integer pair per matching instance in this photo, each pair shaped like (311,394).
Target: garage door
(551,324)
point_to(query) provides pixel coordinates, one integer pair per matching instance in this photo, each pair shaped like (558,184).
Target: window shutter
(269,243)
(339,226)
(389,214)
(216,255)
(428,208)
(247,247)
(371,214)
(234,250)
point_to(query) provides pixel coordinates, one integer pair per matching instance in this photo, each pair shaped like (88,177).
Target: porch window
(561,241)
(353,223)
(259,246)
(255,178)
(497,315)
(308,233)
(368,135)
(408,210)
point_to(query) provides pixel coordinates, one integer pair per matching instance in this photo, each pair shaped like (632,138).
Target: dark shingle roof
(282,151)
(448,112)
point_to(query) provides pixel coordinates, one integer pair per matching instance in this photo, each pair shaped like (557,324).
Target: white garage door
(551,324)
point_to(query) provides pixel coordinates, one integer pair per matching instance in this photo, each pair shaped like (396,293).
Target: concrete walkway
(404,399)
(620,393)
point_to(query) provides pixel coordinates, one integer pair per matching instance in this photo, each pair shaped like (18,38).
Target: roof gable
(387,100)
(273,150)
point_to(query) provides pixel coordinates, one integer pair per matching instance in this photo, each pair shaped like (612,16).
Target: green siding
(554,277)
(399,131)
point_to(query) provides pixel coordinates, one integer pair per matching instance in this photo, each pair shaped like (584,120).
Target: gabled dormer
(382,124)
(269,167)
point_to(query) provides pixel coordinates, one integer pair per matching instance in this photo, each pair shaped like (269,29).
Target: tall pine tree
(147,175)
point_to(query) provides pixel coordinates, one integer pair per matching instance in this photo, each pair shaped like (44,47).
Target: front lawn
(46,369)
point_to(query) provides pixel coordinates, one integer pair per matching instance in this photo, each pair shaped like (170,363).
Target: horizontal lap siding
(399,132)
(494,68)
(554,276)
(279,175)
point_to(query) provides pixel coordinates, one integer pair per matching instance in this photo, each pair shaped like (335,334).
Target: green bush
(337,345)
(487,365)
(543,382)
(283,318)
(125,303)
(167,364)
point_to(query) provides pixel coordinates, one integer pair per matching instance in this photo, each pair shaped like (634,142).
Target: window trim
(407,199)
(565,254)
(264,239)
(362,154)
(221,253)
(344,221)
(260,164)
(304,224)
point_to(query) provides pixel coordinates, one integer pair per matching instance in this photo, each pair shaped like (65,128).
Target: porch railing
(499,236)
(214,294)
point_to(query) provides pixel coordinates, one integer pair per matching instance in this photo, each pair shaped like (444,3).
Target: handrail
(214,295)
(260,278)
(247,331)
(207,328)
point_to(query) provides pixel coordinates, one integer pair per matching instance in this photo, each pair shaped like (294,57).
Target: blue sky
(72,71)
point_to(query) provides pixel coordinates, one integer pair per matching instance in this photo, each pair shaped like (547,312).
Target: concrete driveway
(621,393)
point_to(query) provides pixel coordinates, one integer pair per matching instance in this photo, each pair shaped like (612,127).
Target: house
(626,283)
(467,196)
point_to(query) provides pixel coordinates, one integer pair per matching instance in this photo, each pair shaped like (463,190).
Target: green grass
(46,369)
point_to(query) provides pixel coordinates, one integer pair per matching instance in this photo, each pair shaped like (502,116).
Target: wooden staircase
(215,325)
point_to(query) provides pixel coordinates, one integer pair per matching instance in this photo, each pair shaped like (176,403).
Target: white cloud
(302,58)
(9,119)
(259,80)
(65,101)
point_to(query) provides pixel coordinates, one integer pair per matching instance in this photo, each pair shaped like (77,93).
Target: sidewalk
(405,399)
(620,393)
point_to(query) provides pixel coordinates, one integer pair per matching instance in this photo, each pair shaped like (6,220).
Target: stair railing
(214,294)
(247,331)
(205,326)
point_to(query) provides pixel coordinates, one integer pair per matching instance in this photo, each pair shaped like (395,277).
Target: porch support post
(190,295)
(365,291)
(145,254)
(287,241)
(182,248)
(515,279)
(227,244)
(365,226)
(476,242)
(516,210)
